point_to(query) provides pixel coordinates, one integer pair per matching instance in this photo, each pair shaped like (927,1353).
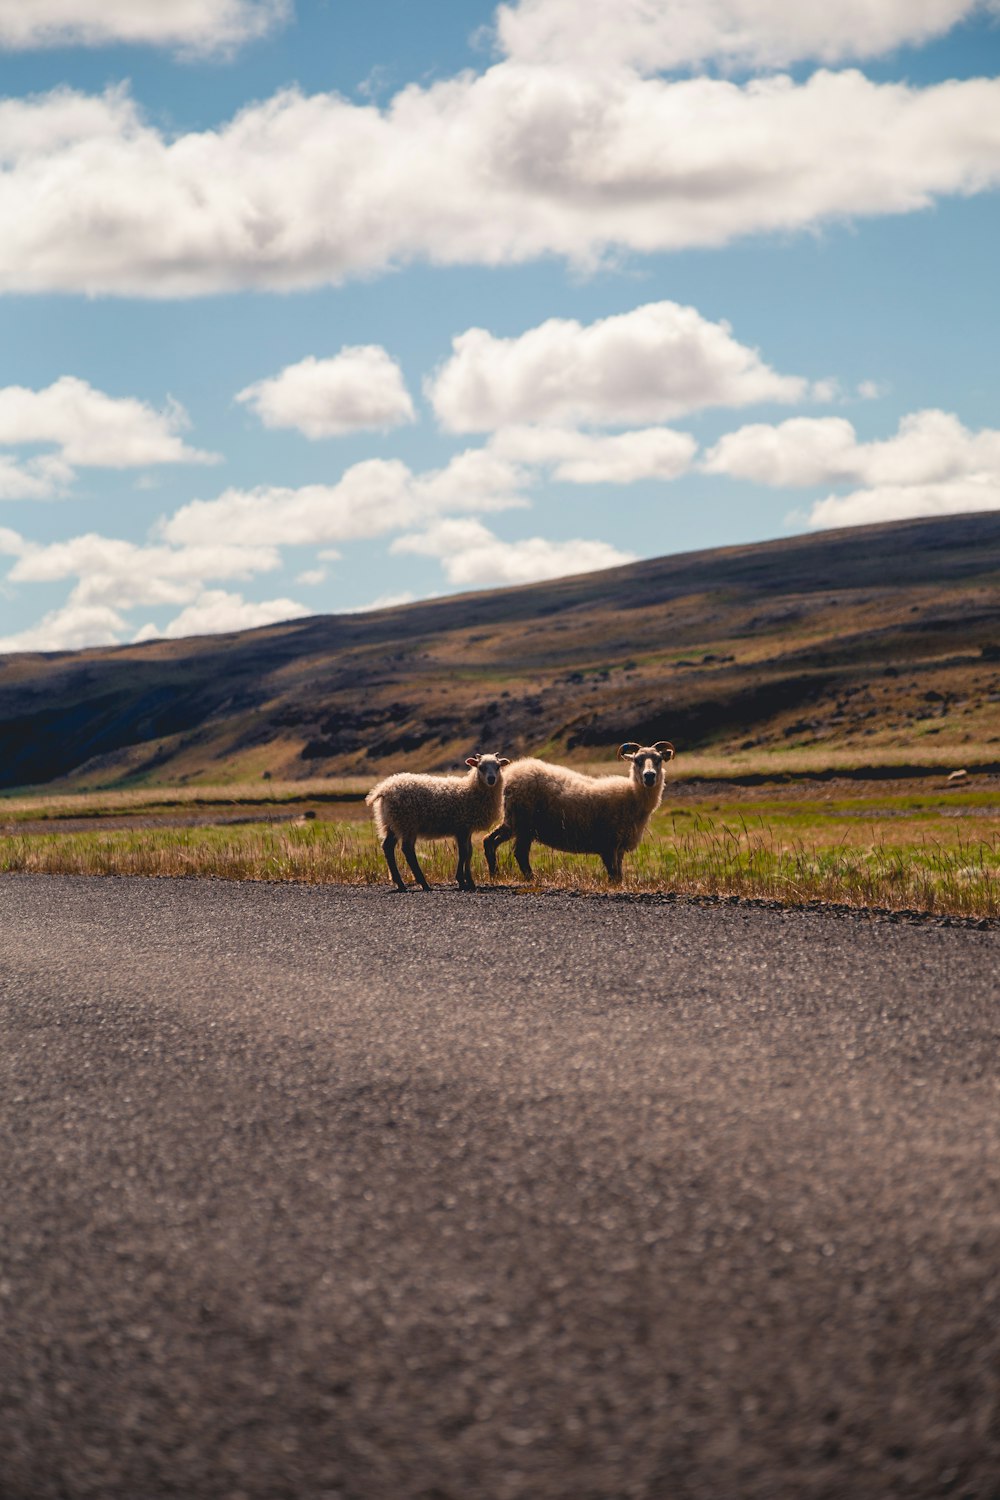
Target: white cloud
(89,429)
(69,629)
(932,466)
(471,554)
(929,447)
(311,577)
(648,365)
(370,499)
(361,387)
(188,25)
(802,451)
(118,573)
(12,543)
(384,601)
(978,492)
(33,478)
(500,168)
(658,35)
(215,612)
(583,458)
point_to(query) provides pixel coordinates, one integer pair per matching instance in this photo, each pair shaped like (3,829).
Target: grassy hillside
(875,646)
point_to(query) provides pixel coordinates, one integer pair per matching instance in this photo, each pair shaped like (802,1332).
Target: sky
(308,306)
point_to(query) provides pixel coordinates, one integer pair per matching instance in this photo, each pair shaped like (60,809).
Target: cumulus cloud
(585,458)
(901,502)
(648,365)
(929,447)
(89,429)
(69,628)
(802,451)
(215,612)
(659,35)
(361,387)
(198,26)
(933,465)
(471,554)
(111,571)
(33,478)
(114,576)
(518,162)
(370,499)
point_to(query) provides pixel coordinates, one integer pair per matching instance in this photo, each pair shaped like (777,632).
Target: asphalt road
(322,1194)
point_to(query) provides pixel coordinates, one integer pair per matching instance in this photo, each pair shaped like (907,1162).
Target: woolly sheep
(605,815)
(408,806)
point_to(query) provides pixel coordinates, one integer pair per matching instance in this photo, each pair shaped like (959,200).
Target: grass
(911,864)
(849,759)
(155,800)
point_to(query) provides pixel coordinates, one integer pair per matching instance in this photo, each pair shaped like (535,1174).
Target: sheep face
(647,761)
(488,766)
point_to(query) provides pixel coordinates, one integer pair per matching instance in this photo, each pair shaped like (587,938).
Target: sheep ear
(472,760)
(503,761)
(666,749)
(626,751)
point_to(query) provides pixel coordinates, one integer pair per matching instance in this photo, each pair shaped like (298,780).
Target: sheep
(408,806)
(605,815)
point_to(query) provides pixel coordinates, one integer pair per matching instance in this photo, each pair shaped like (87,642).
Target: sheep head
(488,766)
(647,761)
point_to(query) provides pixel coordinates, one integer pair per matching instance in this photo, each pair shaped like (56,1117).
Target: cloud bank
(932,466)
(497,169)
(660,35)
(471,554)
(370,499)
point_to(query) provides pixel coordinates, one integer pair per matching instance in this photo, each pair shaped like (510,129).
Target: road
(327,1194)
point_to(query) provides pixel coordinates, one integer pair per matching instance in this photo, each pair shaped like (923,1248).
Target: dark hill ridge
(859,635)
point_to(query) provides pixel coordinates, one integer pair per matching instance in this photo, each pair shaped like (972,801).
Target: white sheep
(605,815)
(408,806)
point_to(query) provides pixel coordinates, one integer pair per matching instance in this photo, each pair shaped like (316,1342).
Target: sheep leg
(464,872)
(522,853)
(491,844)
(389,850)
(410,853)
(613,864)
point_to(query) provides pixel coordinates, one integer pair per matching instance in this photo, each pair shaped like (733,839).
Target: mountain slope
(878,635)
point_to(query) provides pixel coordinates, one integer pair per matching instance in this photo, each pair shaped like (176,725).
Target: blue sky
(305,307)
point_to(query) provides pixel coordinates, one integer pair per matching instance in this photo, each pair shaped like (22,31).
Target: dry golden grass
(881,866)
(155,799)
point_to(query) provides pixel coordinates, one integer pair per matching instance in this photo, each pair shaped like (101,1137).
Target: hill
(881,638)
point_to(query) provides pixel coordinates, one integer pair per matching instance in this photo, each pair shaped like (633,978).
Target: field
(874,647)
(917,844)
(835,702)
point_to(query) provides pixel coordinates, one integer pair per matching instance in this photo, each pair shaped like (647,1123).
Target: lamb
(605,815)
(408,806)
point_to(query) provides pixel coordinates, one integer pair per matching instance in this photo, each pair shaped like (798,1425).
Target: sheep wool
(408,806)
(604,815)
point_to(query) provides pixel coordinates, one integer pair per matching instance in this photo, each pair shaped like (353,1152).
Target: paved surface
(313,1193)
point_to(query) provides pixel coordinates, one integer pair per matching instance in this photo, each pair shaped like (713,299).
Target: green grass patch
(698,855)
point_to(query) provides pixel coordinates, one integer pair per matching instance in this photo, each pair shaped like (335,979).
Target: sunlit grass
(159,800)
(701,856)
